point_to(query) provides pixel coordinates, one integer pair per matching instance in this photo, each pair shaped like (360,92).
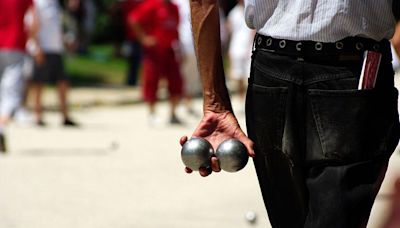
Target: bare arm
(205,23)
(33,31)
(142,37)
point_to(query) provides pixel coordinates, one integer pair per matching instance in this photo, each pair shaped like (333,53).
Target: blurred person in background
(13,37)
(117,29)
(155,24)
(50,41)
(22,114)
(192,84)
(135,52)
(84,14)
(241,41)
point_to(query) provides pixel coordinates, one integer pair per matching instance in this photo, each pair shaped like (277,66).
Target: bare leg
(4,120)
(174,101)
(152,107)
(37,89)
(63,87)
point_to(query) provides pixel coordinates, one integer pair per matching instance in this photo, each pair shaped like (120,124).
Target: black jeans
(322,146)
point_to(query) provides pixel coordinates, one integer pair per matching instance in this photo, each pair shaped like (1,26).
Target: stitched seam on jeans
(282,104)
(317,120)
(341,92)
(327,77)
(276,75)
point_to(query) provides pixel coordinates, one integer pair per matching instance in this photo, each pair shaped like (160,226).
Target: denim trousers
(322,146)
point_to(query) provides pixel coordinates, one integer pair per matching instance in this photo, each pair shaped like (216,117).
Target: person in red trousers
(155,23)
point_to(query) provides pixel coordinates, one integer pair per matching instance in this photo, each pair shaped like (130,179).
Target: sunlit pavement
(116,171)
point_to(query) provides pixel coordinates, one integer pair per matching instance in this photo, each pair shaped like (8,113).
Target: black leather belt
(351,45)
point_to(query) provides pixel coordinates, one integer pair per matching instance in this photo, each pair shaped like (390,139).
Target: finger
(205,171)
(188,170)
(249,145)
(183,139)
(250,148)
(215,164)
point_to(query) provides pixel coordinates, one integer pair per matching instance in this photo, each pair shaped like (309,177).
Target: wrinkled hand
(216,128)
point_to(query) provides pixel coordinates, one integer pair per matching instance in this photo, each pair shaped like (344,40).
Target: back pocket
(355,125)
(266,116)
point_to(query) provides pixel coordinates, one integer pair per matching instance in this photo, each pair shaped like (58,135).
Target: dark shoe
(193,113)
(69,123)
(3,147)
(174,120)
(40,123)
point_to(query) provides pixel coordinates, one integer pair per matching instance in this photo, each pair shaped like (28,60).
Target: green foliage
(98,67)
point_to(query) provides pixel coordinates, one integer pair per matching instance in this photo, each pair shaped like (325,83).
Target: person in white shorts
(239,47)
(52,69)
(190,73)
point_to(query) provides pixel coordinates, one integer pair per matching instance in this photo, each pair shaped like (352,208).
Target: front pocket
(355,125)
(266,116)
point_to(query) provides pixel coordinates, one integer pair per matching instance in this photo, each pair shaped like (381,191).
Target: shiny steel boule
(196,153)
(232,155)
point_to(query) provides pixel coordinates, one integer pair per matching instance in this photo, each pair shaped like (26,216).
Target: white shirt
(50,32)
(321,20)
(185,28)
(241,36)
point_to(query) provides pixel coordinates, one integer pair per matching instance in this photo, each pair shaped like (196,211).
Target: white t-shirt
(321,20)
(50,33)
(241,36)
(185,28)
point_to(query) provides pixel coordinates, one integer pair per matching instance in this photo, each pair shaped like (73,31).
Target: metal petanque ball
(232,155)
(196,153)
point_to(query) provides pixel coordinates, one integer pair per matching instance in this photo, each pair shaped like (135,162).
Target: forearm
(206,34)
(138,30)
(33,28)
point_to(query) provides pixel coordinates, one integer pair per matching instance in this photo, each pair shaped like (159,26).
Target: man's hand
(216,128)
(218,123)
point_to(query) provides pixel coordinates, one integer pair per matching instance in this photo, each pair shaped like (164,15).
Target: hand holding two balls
(197,154)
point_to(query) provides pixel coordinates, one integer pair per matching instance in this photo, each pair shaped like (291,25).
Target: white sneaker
(23,116)
(154,120)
